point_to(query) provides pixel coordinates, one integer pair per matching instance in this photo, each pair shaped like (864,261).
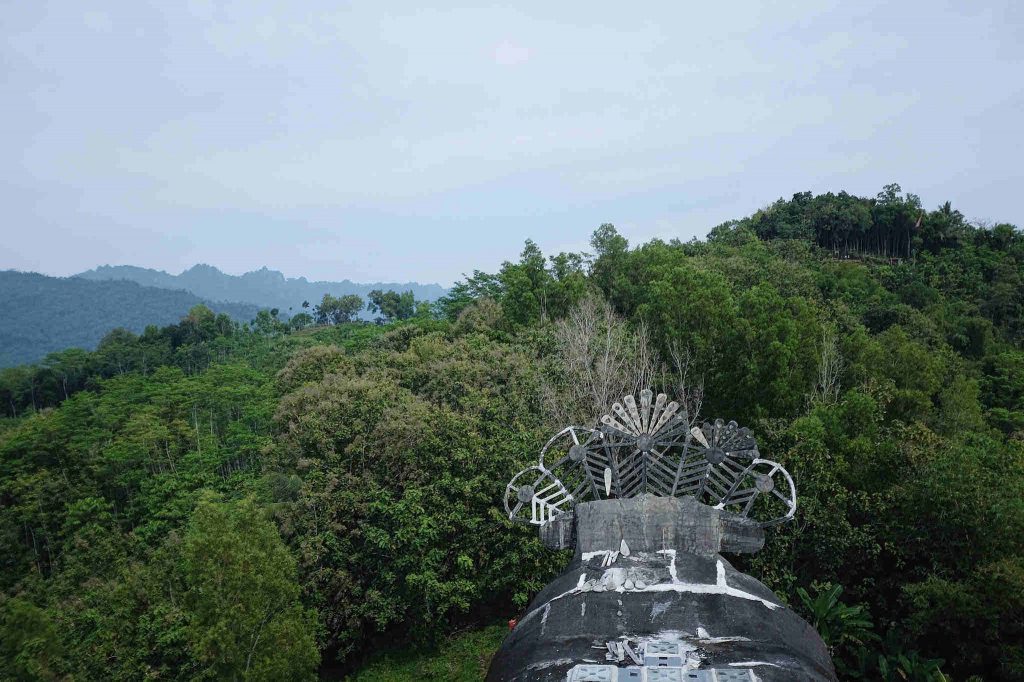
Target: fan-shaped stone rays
(650,447)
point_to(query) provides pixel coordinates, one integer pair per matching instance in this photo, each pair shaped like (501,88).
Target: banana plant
(840,625)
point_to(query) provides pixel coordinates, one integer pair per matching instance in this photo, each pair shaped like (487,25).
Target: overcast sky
(418,144)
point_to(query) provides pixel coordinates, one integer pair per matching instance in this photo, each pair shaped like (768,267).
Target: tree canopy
(337,309)
(211,500)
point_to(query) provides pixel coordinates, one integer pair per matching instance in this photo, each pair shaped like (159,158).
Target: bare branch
(602,360)
(689,384)
(830,367)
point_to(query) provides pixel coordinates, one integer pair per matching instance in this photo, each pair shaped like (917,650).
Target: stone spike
(611,421)
(659,405)
(645,409)
(633,413)
(666,416)
(621,414)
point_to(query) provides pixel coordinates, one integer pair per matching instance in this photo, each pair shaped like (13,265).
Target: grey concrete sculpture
(652,448)
(647,595)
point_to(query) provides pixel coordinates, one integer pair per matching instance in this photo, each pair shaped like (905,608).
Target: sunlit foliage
(212,500)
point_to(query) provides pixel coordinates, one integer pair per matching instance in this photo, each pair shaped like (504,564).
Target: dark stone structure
(648,597)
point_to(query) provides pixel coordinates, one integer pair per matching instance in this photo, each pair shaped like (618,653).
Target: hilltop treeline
(891,224)
(265,503)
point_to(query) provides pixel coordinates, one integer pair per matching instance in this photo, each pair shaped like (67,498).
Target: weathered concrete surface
(666,583)
(650,523)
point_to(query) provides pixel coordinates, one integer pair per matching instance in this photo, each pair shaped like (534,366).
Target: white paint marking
(721,586)
(739,664)
(659,608)
(706,638)
(614,578)
(549,664)
(672,565)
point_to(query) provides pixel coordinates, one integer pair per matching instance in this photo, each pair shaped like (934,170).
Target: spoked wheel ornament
(535,496)
(764,492)
(566,456)
(651,447)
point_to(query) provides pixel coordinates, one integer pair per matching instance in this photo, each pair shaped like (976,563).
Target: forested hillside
(40,314)
(264,287)
(218,501)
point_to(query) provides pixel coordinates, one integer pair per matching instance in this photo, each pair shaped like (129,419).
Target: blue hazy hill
(264,287)
(41,314)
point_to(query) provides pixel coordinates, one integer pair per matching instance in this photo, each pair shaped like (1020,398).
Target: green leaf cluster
(209,500)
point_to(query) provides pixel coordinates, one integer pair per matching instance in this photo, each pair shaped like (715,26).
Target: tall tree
(246,621)
(347,307)
(337,309)
(391,305)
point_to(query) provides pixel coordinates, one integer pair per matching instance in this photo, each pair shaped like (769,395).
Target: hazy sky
(337,141)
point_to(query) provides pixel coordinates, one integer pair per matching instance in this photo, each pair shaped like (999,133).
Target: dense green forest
(46,314)
(211,500)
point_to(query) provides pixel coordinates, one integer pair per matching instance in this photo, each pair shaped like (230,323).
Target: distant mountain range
(40,314)
(265,288)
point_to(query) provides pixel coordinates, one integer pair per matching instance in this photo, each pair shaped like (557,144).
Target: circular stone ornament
(715,455)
